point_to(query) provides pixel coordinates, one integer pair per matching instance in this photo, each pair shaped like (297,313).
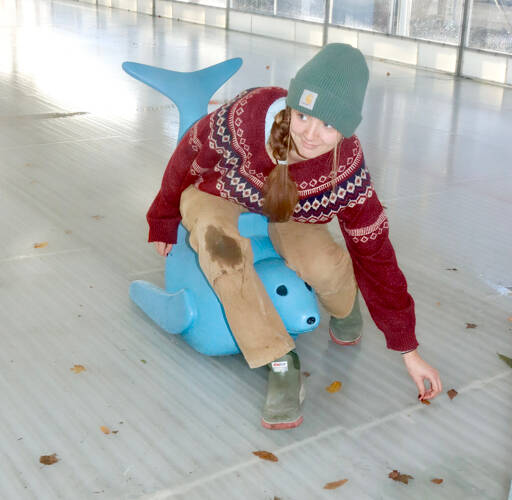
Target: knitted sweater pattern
(224,154)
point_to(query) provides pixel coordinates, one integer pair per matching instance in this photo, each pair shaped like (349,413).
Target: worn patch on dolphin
(222,248)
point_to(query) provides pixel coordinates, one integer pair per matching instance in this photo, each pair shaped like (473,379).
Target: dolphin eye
(282,290)
(308,286)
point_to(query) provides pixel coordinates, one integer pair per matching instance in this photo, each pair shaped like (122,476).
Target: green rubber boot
(347,331)
(285,394)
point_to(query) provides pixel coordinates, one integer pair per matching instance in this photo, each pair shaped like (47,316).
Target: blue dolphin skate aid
(188,305)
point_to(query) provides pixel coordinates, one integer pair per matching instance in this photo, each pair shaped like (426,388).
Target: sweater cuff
(163,230)
(404,345)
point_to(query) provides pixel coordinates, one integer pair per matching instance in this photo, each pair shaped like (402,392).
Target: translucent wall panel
(211,3)
(372,15)
(261,6)
(308,10)
(491,25)
(437,20)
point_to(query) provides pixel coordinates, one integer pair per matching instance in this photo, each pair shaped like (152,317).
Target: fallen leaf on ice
(437,480)
(48,459)
(452,393)
(334,387)
(41,245)
(266,455)
(105,429)
(78,368)
(471,325)
(98,217)
(335,484)
(267,67)
(396,476)
(143,361)
(425,401)
(306,374)
(506,359)
(451,269)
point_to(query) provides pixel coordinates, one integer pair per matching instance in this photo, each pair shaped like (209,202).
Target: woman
(294,157)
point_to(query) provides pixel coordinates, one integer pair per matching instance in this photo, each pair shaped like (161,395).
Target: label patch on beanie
(279,366)
(308,99)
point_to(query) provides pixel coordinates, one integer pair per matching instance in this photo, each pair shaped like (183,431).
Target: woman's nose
(311,130)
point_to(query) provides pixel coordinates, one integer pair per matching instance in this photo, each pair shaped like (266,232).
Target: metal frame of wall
(459,60)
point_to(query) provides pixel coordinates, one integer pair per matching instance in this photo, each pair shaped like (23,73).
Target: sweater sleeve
(365,228)
(164,214)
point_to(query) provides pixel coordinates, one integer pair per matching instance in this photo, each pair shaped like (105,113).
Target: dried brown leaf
(334,387)
(78,368)
(425,401)
(437,480)
(396,476)
(471,325)
(105,429)
(49,459)
(97,217)
(41,245)
(306,374)
(451,269)
(335,484)
(452,393)
(266,455)
(267,67)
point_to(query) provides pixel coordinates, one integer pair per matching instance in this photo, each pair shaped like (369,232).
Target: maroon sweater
(224,154)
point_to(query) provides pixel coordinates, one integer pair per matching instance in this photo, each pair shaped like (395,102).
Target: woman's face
(312,136)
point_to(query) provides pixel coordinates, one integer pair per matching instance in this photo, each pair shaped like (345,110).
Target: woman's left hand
(420,371)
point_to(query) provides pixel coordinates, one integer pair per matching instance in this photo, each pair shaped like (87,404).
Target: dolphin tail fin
(174,312)
(190,91)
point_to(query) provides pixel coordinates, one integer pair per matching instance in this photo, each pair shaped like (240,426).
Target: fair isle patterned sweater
(224,154)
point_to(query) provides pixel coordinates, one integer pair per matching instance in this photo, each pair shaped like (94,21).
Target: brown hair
(280,190)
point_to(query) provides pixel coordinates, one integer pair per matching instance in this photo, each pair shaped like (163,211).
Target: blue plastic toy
(188,305)
(190,91)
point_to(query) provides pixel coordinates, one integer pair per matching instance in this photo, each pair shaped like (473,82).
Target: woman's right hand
(162,248)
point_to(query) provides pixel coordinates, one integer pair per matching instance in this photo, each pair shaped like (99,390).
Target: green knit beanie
(331,87)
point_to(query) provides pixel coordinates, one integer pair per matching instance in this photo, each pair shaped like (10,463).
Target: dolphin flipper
(190,91)
(174,312)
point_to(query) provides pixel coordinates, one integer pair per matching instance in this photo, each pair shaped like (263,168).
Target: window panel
(490,25)
(436,20)
(372,15)
(308,10)
(258,6)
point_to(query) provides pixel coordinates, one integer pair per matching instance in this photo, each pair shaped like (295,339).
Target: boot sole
(344,342)
(277,426)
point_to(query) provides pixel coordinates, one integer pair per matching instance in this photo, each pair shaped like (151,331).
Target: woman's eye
(326,125)
(302,116)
